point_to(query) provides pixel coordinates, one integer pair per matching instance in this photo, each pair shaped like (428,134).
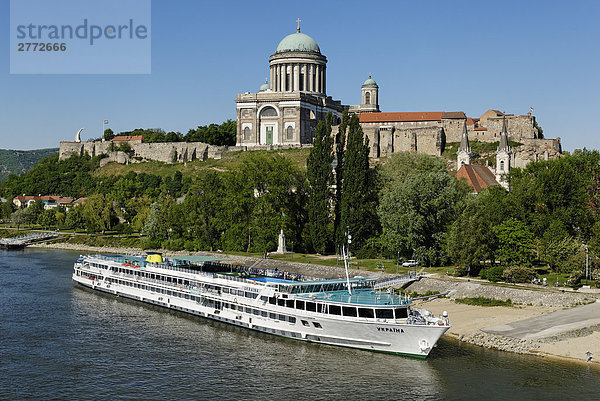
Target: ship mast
(346,263)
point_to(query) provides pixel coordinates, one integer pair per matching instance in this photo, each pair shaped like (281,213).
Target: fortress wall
(453,128)
(535,150)
(518,128)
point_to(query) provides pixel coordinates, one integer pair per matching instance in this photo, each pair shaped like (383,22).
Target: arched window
(268,112)
(502,165)
(290,133)
(312,115)
(367,98)
(246,133)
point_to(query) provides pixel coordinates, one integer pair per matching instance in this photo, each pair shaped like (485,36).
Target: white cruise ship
(321,311)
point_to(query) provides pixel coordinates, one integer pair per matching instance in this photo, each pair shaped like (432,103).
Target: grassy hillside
(197,168)
(21,161)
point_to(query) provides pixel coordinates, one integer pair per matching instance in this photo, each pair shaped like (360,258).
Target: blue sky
(426,56)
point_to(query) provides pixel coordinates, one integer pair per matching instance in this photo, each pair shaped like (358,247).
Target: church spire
(464,141)
(463,156)
(503,158)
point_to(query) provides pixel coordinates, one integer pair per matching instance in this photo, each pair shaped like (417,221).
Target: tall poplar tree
(340,148)
(320,177)
(357,200)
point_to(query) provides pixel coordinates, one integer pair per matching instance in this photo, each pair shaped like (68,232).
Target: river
(61,341)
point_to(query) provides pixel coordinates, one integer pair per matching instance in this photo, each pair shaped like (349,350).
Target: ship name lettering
(390,329)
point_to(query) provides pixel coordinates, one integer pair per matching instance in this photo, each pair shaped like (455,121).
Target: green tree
(320,176)
(416,213)
(515,243)
(471,241)
(6,209)
(340,149)
(99,214)
(47,218)
(108,134)
(357,209)
(37,208)
(74,219)
(21,217)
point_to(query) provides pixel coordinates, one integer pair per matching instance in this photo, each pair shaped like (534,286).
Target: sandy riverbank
(467,321)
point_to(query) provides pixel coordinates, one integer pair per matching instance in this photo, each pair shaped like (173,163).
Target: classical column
(281,80)
(310,78)
(318,76)
(296,68)
(323,80)
(271,78)
(305,72)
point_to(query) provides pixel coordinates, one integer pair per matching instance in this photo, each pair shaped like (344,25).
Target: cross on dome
(298,21)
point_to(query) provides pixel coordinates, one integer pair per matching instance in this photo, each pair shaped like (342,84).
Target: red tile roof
(478,177)
(401,116)
(127,138)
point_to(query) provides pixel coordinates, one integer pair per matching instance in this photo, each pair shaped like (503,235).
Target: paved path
(551,324)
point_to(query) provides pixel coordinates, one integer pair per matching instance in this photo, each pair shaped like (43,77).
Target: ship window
(401,313)
(251,295)
(226,290)
(263,313)
(248,310)
(305,323)
(272,316)
(365,312)
(281,302)
(300,305)
(311,307)
(292,319)
(335,310)
(289,303)
(349,310)
(281,317)
(255,312)
(384,313)
(272,300)
(317,325)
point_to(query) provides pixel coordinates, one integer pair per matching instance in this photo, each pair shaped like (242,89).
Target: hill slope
(21,161)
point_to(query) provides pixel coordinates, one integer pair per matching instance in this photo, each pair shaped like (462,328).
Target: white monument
(281,246)
(78,135)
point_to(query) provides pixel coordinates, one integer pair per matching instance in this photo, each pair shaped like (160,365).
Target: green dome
(298,42)
(263,87)
(370,82)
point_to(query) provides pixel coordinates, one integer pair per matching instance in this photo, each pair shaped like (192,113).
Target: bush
(483,301)
(518,274)
(148,243)
(176,244)
(493,273)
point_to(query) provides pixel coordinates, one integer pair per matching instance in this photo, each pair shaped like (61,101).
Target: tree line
(213,134)
(408,207)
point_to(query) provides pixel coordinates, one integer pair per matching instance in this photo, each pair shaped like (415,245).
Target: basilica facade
(287,107)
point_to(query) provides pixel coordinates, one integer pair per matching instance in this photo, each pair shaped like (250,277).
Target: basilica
(285,111)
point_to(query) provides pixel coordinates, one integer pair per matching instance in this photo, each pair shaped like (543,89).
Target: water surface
(61,341)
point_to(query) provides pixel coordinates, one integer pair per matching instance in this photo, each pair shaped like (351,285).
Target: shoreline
(468,321)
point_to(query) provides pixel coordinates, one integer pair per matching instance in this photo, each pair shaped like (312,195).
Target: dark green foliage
(493,273)
(358,199)
(214,134)
(515,243)
(518,274)
(108,134)
(340,151)
(320,177)
(416,213)
(21,161)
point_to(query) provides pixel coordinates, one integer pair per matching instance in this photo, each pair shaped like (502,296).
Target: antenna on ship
(347,261)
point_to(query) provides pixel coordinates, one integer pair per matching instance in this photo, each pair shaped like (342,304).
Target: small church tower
(369,92)
(503,158)
(464,151)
